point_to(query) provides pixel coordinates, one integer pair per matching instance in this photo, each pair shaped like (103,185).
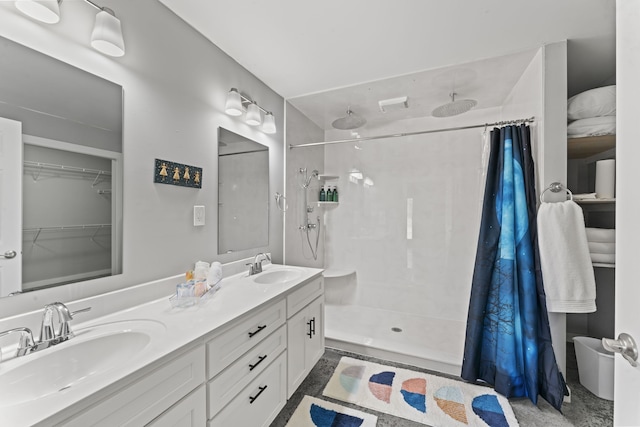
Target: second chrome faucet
(49,335)
(256,266)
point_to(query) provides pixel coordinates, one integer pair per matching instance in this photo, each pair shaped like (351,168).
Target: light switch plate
(198,215)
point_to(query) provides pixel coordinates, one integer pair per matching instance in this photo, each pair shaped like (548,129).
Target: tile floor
(585,409)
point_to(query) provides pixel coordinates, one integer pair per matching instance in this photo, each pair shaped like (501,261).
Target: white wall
(175,84)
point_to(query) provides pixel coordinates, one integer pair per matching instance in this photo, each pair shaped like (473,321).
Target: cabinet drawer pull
(313,326)
(253,398)
(261,358)
(309,334)
(256,331)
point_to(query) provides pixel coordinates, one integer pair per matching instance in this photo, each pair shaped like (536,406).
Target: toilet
(339,286)
(595,366)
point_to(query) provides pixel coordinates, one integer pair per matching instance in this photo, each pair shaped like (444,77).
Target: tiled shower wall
(408,220)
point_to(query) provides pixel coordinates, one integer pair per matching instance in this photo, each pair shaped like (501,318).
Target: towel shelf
(580,148)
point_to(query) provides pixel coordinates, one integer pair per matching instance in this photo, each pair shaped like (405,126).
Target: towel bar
(556,187)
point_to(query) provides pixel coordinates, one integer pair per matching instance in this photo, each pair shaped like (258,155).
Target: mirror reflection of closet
(67,213)
(71,120)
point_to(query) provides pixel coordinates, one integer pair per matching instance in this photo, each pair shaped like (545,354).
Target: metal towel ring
(556,187)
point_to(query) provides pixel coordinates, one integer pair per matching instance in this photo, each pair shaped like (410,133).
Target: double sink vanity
(233,359)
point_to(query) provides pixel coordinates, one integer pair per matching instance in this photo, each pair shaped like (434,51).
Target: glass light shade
(107,34)
(253,115)
(47,11)
(233,106)
(269,125)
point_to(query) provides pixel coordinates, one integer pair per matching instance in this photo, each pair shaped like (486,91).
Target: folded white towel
(603,235)
(215,274)
(584,196)
(603,258)
(567,271)
(602,248)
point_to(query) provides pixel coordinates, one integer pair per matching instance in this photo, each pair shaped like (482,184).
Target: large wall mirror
(243,193)
(71,181)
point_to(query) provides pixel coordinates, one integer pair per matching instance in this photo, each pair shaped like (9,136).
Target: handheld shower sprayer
(307,225)
(307,179)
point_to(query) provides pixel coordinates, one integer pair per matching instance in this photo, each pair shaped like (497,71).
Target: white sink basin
(92,352)
(281,275)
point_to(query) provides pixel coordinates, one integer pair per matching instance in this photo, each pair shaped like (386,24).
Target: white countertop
(177,329)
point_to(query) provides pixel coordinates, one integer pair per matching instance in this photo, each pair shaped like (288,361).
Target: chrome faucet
(26,340)
(256,266)
(64,332)
(48,335)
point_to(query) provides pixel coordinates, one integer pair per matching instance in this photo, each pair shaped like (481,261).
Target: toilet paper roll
(606,179)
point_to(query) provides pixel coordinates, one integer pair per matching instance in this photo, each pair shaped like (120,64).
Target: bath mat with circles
(312,412)
(424,398)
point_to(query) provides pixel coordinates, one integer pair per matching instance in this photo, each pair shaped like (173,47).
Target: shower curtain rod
(395,135)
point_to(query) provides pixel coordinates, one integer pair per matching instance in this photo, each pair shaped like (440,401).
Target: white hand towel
(602,235)
(215,274)
(567,271)
(603,258)
(602,248)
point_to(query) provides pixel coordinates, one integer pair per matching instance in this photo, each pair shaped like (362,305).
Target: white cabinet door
(627,378)
(305,343)
(189,412)
(315,345)
(10,206)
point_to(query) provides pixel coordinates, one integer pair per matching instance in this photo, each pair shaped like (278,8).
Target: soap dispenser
(323,195)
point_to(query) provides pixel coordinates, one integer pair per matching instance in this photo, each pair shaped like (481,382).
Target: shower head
(454,107)
(350,121)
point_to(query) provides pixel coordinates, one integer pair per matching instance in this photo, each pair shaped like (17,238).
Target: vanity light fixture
(269,124)
(106,36)
(237,103)
(47,11)
(233,107)
(253,115)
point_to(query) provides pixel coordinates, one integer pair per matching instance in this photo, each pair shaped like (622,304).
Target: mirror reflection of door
(11,203)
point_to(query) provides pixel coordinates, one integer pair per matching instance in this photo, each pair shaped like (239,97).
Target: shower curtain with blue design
(508,339)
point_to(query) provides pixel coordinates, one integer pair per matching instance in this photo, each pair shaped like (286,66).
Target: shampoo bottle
(329,195)
(335,194)
(323,195)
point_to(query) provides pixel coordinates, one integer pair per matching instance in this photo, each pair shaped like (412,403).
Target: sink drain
(396,329)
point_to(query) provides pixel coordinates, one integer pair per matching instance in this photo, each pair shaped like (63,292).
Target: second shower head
(454,107)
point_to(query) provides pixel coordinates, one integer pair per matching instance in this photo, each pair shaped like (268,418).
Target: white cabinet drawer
(227,347)
(141,402)
(299,298)
(259,403)
(233,379)
(189,412)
